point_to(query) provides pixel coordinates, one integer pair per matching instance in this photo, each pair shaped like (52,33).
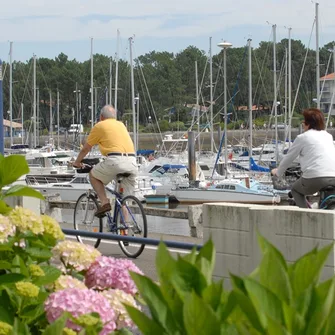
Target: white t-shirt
(316,153)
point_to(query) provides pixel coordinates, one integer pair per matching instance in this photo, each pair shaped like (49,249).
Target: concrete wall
(294,231)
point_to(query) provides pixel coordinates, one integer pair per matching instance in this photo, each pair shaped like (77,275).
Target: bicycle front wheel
(131,221)
(84,218)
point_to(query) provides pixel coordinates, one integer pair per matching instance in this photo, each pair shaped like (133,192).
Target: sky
(49,27)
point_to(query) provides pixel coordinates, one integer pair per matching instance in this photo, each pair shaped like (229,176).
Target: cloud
(63,20)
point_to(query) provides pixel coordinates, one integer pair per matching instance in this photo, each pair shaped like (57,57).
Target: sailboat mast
(11,92)
(250,99)
(197,102)
(133,92)
(275,88)
(317,55)
(116,70)
(211,93)
(92,92)
(50,115)
(34,101)
(57,118)
(289,84)
(22,130)
(285,99)
(110,80)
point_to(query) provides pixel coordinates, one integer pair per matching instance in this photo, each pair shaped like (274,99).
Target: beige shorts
(107,170)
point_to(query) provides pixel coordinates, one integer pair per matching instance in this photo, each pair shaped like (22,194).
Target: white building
(328,93)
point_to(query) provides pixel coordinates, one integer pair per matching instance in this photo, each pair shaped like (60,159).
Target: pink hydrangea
(79,302)
(108,272)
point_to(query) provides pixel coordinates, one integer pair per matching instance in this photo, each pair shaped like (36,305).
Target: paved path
(146,261)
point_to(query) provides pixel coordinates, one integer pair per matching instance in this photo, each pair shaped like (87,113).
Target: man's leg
(99,188)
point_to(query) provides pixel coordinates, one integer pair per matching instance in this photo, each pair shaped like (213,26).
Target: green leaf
(273,272)
(21,190)
(158,306)
(32,312)
(247,307)
(294,321)
(186,278)
(212,294)
(306,270)
(199,318)
(322,303)
(50,275)
(5,265)
(122,331)
(39,253)
(264,301)
(146,325)
(10,278)
(6,309)
(206,260)
(57,326)
(165,263)
(19,266)
(20,327)
(275,328)
(4,208)
(12,168)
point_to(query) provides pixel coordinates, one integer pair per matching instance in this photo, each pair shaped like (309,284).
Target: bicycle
(326,195)
(128,216)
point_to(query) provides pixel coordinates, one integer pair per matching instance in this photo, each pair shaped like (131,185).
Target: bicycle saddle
(122,175)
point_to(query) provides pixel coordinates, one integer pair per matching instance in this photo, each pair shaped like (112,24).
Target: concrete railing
(53,206)
(294,231)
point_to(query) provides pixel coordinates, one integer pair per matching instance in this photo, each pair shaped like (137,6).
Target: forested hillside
(165,82)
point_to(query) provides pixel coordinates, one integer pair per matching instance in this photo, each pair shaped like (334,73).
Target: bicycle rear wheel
(84,218)
(131,221)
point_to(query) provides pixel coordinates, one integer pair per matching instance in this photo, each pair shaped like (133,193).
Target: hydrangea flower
(51,227)
(27,289)
(108,272)
(116,299)
(74,255)
(79,302)
(5,328)
(6,229)
(36,271)
(25,220)
(65,282)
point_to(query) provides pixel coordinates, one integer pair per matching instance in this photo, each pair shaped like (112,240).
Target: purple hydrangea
(79,302)
(108,272)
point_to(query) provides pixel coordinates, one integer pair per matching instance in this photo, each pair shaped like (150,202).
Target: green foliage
(277,298)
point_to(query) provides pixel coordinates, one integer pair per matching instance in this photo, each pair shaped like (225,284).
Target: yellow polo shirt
(111,136)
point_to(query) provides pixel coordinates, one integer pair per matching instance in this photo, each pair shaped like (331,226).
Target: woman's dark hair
(314,118)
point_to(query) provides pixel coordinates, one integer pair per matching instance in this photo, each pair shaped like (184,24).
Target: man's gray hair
(108,112)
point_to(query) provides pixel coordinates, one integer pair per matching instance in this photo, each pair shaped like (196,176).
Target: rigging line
(151,104)
(324,80)
(26,84)
(38,63)
(260,70)
(303,66)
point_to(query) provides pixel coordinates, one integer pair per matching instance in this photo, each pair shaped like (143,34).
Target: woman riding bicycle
(316,152)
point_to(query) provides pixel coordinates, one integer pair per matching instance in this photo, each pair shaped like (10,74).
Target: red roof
(329,76)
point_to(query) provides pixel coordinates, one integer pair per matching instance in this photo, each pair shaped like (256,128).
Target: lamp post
(225,45)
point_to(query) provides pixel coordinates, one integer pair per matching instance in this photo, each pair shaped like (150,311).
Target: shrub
(277,298)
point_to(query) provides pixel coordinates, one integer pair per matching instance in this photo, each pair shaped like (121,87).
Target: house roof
(6,123)
(329,76)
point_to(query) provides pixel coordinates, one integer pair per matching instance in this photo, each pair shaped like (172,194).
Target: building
(17,128)
(328,93)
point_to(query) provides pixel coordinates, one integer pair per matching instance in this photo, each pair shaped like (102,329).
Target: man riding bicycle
(115,143)
(316,152)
